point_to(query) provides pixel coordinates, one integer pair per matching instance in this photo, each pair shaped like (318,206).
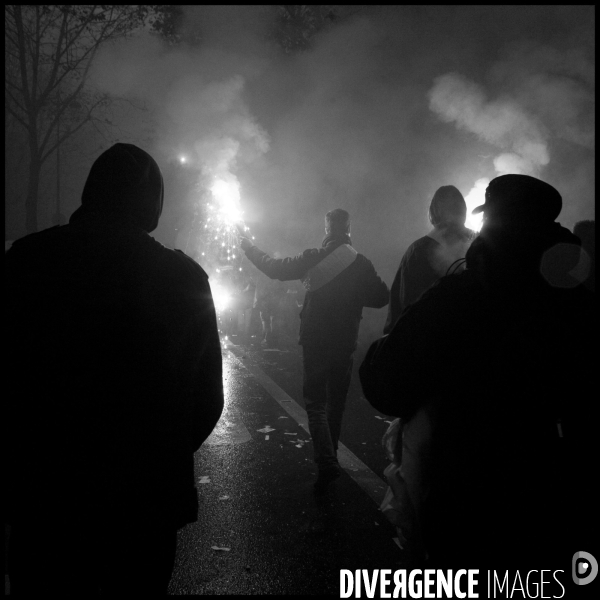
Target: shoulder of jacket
(453,287)
(422,242)
(36,237)
(177,260)
(190,263)
(362,260)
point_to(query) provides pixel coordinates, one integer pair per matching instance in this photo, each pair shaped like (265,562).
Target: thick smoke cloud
(384,108)
(503,123)
(546,95)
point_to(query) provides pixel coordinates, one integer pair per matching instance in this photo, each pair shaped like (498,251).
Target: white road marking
(373,485)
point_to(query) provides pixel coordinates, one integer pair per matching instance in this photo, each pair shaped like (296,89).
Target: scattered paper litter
(286,433)
(266,437)
(204,479)
(381,418)
(388,422)
(221,548)
(299,445)
(265,429)
(223,497)
(284,417)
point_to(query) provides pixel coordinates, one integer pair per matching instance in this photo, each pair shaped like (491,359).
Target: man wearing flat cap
(491,363)
(114,367)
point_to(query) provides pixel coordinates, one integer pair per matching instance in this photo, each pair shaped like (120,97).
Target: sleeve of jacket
(198,353)
(284,269)
(395,376)
(375,290)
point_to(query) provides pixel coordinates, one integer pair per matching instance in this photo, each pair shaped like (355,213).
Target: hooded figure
(489,372)
(115,372)
(124,187)
(429,258)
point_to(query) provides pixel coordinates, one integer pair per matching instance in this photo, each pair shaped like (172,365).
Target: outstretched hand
(244,242)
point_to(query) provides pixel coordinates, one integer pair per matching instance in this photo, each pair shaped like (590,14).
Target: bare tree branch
(48,55)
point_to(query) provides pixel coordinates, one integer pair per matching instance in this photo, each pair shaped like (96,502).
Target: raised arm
(284,269)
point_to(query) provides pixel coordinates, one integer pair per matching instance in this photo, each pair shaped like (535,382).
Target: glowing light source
(227,195)
(183,159)
(221,297)
(475,198)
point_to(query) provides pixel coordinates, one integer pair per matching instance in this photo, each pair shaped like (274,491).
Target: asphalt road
(262,530)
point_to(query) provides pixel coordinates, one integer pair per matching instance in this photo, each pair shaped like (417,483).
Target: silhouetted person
(428,259)
(490,366)
(339,282)
(115,376)
(248,294)
(586,232)
(270,303)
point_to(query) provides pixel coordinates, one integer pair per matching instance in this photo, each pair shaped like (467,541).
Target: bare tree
(48,53)
(294,25)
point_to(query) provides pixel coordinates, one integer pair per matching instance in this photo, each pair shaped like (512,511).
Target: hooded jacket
(115,358)
(331,314)
(424,262)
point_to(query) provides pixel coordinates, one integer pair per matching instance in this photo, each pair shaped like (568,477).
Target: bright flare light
(227,195)
(221,297)
(475,198)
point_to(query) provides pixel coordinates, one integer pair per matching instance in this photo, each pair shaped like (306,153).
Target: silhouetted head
(520,241)
(125,185)
(337,222)
(447,208)
(519,201)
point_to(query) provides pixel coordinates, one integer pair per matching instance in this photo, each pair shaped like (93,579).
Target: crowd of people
(260,310)
(484,360)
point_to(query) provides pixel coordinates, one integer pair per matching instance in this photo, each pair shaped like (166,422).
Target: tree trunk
(31,202)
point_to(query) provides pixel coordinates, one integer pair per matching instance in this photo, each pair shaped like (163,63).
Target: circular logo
(585,568)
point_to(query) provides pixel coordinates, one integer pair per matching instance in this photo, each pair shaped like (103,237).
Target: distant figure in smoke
(269,303)
(429,258)
(586,232)
(339,282)
(115,372)
(492,367)
(248,294)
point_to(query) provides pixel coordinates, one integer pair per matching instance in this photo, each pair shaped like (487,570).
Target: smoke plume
(383,107)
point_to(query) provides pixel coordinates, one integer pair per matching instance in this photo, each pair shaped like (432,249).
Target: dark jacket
(114,365)
(423,263)
(498,361)
(330,315)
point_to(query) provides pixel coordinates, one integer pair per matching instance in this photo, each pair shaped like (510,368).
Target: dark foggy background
(381,110)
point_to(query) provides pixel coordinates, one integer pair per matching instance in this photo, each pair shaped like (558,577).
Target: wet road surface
(262,529)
